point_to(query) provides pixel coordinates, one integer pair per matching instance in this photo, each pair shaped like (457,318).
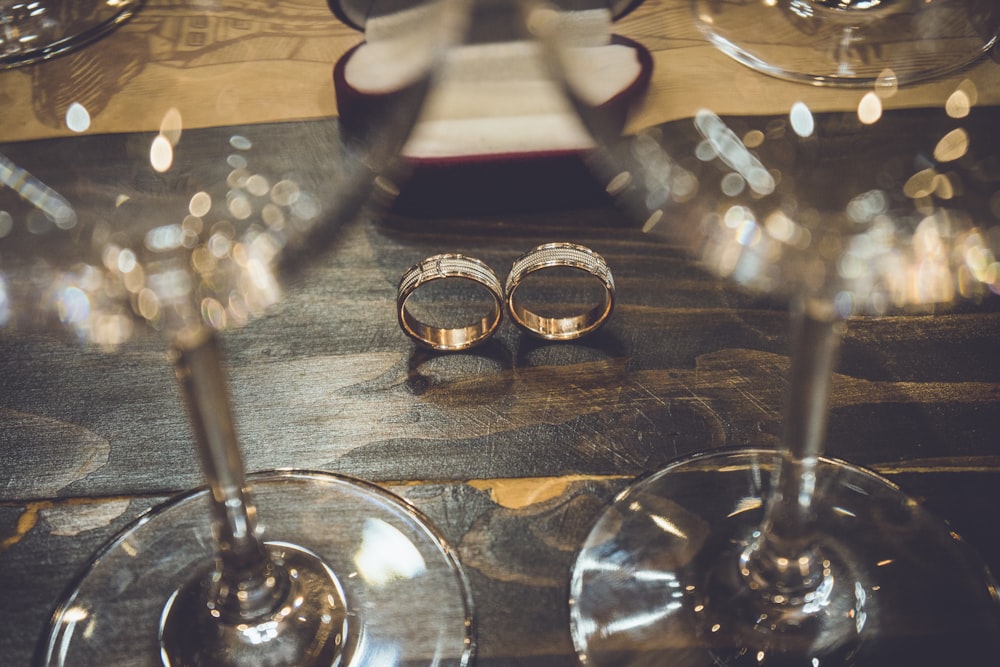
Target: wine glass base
(406,597)
(658,580)
(304,618)
(34,31)
(899,42)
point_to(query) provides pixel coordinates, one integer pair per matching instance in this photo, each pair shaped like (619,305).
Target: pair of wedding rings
(452,266)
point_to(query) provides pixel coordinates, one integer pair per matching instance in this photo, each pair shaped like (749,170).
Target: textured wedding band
(567,255)
(440,267)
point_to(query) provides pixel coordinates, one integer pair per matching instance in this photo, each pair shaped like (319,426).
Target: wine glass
(188,230)
(757,557)
(851,42)
(34,30)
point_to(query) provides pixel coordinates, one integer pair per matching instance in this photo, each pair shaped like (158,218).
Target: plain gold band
(568,255)
(440,267)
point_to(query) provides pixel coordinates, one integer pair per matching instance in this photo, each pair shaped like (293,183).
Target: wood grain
(512,449)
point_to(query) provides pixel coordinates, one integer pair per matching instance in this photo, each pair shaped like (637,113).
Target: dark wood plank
(511,448)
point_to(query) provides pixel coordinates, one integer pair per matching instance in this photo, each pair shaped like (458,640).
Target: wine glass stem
(201,375)
(784,558)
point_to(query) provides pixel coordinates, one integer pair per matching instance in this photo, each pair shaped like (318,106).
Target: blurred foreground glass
(851,42)
(756,557)
(34,30)
(189,231)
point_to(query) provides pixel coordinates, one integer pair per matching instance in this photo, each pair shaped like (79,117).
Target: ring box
(497,134)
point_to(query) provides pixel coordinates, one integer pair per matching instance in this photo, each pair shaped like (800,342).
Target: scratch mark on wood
(66,518)
(25,522)
(519,493)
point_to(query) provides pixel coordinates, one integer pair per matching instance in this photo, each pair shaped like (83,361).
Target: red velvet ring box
(496,135)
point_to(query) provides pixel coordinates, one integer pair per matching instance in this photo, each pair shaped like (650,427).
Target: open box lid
(496,129)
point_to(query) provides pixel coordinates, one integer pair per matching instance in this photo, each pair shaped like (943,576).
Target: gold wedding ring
(553,255)
(442,267)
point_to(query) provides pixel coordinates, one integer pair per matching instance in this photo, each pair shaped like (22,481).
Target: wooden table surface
(511,449)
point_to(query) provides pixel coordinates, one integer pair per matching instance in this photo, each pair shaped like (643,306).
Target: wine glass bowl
(866,218)
(36,30)
(851,43)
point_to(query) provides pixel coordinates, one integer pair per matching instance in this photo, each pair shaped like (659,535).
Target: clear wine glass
(851,42)
(189,230)
(34,30)
(788,557)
